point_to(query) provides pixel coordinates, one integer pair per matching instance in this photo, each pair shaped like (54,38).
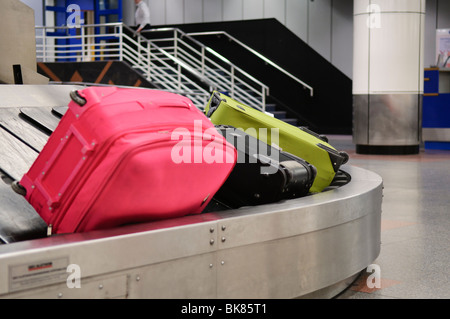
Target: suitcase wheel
(345,156)
(77,98)
(323,138)
(19,189)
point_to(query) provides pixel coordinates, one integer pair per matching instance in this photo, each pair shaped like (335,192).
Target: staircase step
(291,121)
(271,107)
(278,114)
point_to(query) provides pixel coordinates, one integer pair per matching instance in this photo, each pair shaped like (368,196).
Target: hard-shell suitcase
(301,142)
(263,174)
(121,156)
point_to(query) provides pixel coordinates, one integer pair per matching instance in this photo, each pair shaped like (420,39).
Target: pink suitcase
(121,156)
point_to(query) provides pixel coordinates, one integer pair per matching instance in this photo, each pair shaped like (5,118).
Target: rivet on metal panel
(211,242)
(100,286)
(211,230)
(60,295)
(210,265)
(222,263)
(138,278)
(223,239)
(224,227)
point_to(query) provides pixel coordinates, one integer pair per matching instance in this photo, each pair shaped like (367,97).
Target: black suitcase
(263,174)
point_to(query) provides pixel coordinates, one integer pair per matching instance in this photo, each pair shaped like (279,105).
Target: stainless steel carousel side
(303,248)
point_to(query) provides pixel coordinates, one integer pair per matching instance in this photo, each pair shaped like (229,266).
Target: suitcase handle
(65,167)
(295,172)
(215,103)
(77,98)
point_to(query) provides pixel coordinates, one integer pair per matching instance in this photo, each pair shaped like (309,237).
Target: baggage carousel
(309,247)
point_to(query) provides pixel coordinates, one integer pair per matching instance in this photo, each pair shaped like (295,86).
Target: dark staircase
(280,114)
(328,111)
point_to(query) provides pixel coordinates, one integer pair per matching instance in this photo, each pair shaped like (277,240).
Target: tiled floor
(414,262)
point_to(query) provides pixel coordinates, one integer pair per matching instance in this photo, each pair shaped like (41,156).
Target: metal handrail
(166,66)
(86,84)
(254,52)
(163,51)
(222,72)
(92,46)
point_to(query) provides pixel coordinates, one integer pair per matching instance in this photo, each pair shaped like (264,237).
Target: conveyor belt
(13,123)
(24,130)
(20,143)
(23,133)
(41,117)
(18,220)
(310,246)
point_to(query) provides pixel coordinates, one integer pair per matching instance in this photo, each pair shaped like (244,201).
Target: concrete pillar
(18,43)
(388,75)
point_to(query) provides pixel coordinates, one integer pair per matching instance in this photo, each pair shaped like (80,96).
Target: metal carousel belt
(289,249)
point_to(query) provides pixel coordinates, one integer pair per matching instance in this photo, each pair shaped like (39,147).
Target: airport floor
(415,227)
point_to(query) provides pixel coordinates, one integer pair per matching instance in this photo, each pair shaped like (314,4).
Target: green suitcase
(313,148)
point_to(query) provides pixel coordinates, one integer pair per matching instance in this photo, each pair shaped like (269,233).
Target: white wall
(37,6)
(388,58)
(17,39)
(326,25)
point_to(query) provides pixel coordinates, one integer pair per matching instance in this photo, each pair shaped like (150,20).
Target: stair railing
(256,53)
(164,69)
(177,62)
(110,42)
(225,75)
